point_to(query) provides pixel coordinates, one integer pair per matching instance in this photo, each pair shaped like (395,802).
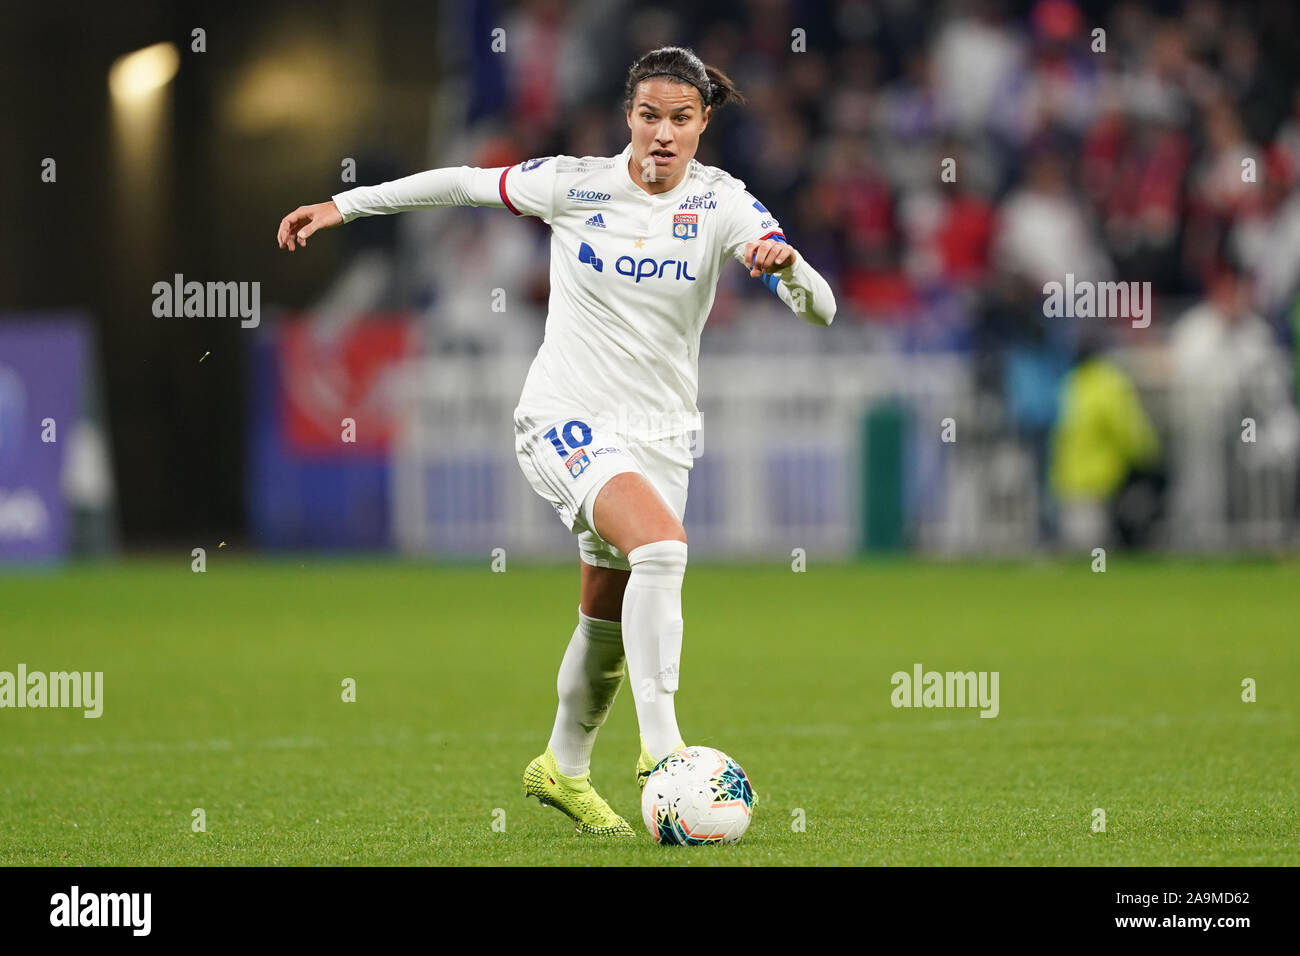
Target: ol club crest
(686,225)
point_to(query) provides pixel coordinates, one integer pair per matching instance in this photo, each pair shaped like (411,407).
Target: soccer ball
(697,795)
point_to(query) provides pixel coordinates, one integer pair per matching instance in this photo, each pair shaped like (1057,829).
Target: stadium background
(1123,165)
(943,414)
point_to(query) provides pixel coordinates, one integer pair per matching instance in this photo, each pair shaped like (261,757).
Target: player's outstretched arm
(798,284)
(523,189)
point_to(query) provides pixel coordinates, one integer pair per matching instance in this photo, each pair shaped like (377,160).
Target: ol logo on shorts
(577,462)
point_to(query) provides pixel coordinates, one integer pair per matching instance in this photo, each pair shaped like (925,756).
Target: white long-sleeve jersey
(633,277)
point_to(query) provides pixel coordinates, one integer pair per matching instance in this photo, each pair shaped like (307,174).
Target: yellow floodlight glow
(134,76)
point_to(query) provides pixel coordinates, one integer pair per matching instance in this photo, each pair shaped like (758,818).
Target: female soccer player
(602,427)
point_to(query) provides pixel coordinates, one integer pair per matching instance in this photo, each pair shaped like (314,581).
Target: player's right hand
(304,221)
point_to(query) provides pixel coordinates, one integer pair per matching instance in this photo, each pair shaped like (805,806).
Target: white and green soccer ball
(697,795)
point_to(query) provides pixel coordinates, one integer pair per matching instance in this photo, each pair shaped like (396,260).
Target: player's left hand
(769,256)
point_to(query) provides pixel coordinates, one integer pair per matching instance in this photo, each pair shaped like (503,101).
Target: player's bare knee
(676,533)
(654,533)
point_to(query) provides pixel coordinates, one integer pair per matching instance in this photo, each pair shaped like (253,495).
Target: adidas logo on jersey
(597,220)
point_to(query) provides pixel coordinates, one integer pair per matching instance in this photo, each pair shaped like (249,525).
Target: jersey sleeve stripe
(504,198)
(774,236)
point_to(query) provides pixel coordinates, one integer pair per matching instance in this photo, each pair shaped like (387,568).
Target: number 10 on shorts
(576,436)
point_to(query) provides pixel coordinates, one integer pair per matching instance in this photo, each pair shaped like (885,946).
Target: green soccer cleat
(645,766)
(576,798)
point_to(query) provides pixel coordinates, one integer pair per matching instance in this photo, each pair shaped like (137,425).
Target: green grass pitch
(222,691)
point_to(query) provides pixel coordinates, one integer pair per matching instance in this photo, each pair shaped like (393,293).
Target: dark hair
(681,64)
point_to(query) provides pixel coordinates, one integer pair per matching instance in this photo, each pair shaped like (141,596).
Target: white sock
(652,638)
(590,676)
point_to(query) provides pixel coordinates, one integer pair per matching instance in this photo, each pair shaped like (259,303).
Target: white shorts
(568,461)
